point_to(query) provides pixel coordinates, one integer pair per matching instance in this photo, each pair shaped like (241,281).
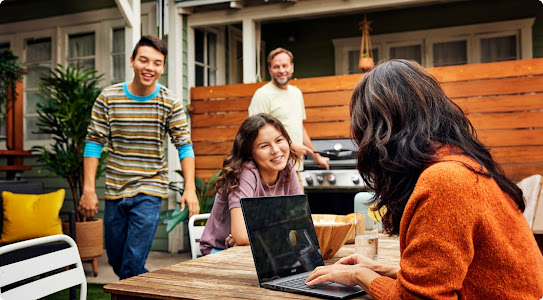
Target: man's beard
(281,83)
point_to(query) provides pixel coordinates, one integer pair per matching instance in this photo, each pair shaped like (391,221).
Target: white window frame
(220,49)
(522,28)
(21,43)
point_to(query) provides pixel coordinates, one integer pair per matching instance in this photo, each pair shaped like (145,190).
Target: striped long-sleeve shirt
(134,128)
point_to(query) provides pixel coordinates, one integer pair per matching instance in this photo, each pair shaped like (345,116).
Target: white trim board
(290,9)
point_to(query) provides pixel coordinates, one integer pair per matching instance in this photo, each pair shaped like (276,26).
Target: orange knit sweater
(461,237)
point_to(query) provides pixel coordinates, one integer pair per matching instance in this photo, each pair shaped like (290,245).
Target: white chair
(533,193)
(27,272)
(195,232)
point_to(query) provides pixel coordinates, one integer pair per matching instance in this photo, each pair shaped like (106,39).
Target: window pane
(199,45)
(38,50)
(212,49)
(407,52)
(354,56)
(117,56)
(81,45)
(31,101)
(118,40)
(4,46)
(34,74)
(84,63)
(118,68)
(499,49)
(32,128)
(199,76)
(211,77)
(450,53)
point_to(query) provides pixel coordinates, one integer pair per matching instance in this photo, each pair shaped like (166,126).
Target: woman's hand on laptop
(381,269)
(344,274)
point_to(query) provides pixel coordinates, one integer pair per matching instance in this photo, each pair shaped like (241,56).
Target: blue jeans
(129,228)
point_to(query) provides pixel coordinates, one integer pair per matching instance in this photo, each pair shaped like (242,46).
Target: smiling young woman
(260,164)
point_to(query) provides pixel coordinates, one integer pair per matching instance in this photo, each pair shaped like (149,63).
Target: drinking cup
(366,241)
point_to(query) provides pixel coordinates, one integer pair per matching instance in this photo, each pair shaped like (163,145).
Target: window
(444,46)
(411,52)
(82,50)
(38,63)
(499,48)
(450,53)
(118,61)
(205,57)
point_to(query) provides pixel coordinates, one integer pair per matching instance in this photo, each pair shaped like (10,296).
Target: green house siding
(314,51)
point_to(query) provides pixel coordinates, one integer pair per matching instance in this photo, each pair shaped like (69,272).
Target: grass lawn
(94,292)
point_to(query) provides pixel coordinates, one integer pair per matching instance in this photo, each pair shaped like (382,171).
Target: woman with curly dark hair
(459,218)
(260,164)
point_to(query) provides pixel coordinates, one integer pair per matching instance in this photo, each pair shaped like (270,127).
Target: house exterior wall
(314,51)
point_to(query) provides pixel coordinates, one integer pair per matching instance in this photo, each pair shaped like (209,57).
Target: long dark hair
(242,149)
(400,117)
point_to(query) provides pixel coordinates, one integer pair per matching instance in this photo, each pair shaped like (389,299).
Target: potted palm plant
(68,94)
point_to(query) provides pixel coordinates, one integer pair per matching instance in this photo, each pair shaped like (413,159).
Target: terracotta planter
(89,238)
(365,64)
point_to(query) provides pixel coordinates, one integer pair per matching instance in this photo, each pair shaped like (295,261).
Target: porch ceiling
(217,12)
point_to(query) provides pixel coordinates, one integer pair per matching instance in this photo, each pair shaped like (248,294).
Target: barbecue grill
(332,191)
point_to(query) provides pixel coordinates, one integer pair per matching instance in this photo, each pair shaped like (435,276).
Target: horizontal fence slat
(333,98)
(222,119)
(328,130)
(512,68)
(521,137)
(492,87)
(512,155)
(517,172)
(234,104)
(224,91)
(213,162)
(501,103)
(214,134)
(210,148)
(205,173)
(327,114)
(306,85)
(507,120)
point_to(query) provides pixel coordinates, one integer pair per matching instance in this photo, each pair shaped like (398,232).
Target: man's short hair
(279,50)
(151,41)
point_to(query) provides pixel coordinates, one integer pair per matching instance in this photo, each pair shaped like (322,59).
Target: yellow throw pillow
(31,216)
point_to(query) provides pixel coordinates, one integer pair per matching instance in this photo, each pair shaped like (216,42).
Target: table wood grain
(229,274)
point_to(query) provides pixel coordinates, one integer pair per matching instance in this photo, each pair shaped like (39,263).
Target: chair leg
(95,266)
(72,293)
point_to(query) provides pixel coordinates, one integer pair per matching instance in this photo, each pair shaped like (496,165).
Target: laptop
(285,246)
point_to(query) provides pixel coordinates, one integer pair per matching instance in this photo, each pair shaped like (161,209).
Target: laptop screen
(282,236)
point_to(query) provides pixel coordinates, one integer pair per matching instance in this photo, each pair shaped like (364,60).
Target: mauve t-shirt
(250,185)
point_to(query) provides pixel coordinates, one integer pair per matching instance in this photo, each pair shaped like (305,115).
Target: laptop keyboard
(299,282)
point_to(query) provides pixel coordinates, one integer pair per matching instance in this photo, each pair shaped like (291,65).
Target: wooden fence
(503,100)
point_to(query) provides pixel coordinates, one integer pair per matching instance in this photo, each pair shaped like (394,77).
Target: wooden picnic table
(229,274)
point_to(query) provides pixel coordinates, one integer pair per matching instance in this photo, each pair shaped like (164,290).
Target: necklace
(270,189)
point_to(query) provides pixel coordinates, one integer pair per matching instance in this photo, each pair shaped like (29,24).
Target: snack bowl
(332,232)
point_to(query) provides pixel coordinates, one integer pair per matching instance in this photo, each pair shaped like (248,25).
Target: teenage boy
(132,118)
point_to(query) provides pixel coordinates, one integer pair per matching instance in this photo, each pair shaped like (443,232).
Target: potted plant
(205,191)
(11,71)
(366,62)
(68,94)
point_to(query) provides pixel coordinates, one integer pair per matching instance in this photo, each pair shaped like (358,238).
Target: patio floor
(156,260)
